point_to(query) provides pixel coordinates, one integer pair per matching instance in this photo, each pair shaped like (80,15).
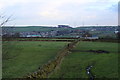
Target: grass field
(23,57)
(105,65)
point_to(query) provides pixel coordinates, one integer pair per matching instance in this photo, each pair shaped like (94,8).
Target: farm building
(91,37)
(64,26)
(87,35)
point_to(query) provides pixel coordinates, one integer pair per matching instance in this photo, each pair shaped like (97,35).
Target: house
(64,26)
(33,36)
(87,35)
(92,37)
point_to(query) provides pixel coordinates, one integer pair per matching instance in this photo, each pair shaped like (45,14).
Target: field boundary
(49,67)
(60,39)
(43,40)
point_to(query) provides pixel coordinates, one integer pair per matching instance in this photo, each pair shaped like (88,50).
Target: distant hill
(33,28)
(47,28)
(100,31)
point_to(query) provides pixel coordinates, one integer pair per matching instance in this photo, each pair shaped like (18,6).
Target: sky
(54,12)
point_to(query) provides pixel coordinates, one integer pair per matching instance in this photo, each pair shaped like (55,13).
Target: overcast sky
(54,12)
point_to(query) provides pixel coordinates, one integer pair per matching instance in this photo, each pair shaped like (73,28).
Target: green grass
(104,65)
(23,57)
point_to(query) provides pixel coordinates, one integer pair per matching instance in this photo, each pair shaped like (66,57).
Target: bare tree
(4,20)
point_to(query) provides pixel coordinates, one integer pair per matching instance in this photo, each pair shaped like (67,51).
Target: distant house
(33,36)
(64,26)
(87,35)
(116,32)
(91,37)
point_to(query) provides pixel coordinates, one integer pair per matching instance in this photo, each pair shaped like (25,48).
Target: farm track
(47,69)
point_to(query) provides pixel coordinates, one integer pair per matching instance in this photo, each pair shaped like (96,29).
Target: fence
(40,39)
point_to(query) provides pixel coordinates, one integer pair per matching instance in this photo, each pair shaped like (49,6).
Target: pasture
(105,65)
(23,57)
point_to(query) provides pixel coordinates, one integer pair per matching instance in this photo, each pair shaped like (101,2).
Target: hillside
(33,28)
(100,31)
